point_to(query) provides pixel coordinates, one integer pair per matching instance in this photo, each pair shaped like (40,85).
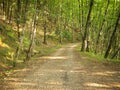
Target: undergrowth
(98,57)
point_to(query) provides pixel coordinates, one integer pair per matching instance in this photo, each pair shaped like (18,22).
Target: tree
(112,36)
(85,41)
(34,29)
(101,27)
(18,10)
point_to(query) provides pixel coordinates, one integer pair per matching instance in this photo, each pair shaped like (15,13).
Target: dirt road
(65,69)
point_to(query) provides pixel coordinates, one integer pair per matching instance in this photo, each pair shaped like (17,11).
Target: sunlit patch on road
(78,71)
(65,70)
(103,85)
(54,57)
(96,85)
(105,73)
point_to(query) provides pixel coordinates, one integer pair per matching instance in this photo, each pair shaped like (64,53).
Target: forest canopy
(93,23)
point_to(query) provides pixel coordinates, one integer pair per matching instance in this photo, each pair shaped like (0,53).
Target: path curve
(66,69)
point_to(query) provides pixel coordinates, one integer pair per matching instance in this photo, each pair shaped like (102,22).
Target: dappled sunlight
(115,84)
(73,46)
(78,71)
(3,44)
(105,73)
(112,72)
(22,70)
(3,65)
(16,79)
(20,61)
(64,70)
(100,73)
(100,85)
(90,84)
(2,17)
(55,57)
(10,56)
(22,83)
(12,79)
(19,83)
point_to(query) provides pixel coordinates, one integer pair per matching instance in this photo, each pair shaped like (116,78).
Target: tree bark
(99,31)
(33,33)
(18,32)
(60,24)
(45,37)
(84,40)
(114,55)
(112,36)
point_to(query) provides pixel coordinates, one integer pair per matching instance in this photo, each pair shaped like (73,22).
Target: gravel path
(66,69)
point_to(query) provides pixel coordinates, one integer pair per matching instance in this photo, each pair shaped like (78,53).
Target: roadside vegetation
(38,27)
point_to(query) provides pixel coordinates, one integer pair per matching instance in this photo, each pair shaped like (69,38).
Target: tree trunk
(24,22)
(10,16)
(8,9)
(112,36)
(72,24)
(45,37)
(99,31)
(84,39)
(18,32)
(60,23)
(81,20)
(114,55)
(33,33)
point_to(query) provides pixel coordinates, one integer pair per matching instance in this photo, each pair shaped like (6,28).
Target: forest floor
(65,69)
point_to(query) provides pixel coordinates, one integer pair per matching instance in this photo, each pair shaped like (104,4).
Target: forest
(26,26)
(34,29)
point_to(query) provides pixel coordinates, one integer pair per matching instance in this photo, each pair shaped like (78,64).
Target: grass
(98,57)
(90,54)
(47,50)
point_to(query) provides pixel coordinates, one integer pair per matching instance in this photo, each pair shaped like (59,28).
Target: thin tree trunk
(45,22)
(18,32)
(45,37)
(20,35)
(17,49)
(84,40)
(33,33)
(24,21)
(60,26)
(72,24)
(81,21)
(112,36)
(8,9)
(3,2)
(60,36)
(101,28)
(114,55)
(10,16)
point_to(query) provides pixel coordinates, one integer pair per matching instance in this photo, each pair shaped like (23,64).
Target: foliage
(28,23)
